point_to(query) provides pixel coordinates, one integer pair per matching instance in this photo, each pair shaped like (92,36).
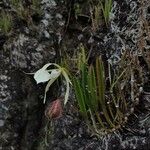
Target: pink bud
(54,110)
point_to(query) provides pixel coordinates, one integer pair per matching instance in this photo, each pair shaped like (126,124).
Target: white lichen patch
(4,89)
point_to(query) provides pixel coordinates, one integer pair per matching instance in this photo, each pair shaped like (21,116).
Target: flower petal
(55,73)
(42,74)
(67,86)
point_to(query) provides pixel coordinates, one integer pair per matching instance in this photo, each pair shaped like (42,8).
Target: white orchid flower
(44,75)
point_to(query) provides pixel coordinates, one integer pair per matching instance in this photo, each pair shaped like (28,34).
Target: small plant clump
(103,95)
(106,9)
(90,93)
(100,10)
(97,12)
(25,13)
(5,22)
(18,7)
(96,20)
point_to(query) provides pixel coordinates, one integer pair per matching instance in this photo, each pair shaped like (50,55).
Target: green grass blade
(100,79)
(110,5)
(92,87)
(80,97)
(116,81)
(100,120)
(101,89)
(84,83)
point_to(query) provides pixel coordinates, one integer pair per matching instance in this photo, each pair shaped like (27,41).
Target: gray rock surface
(22,120)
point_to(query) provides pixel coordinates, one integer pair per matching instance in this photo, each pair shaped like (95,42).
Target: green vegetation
(35,6)
(21,11)
(100,9)
(5,22)
(73,63)
(97,14)
(105,112)
(25,13)
(97,11)
(102,104)
(77,9)
(106,9)
(15,3)
(104,94)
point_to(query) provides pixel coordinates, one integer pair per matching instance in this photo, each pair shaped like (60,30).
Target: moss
(5,22)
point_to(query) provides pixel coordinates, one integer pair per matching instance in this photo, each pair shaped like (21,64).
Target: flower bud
(54,110)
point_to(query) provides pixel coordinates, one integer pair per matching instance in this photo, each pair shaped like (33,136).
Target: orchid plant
(44,75)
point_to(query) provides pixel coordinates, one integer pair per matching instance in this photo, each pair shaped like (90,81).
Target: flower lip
(42,76)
